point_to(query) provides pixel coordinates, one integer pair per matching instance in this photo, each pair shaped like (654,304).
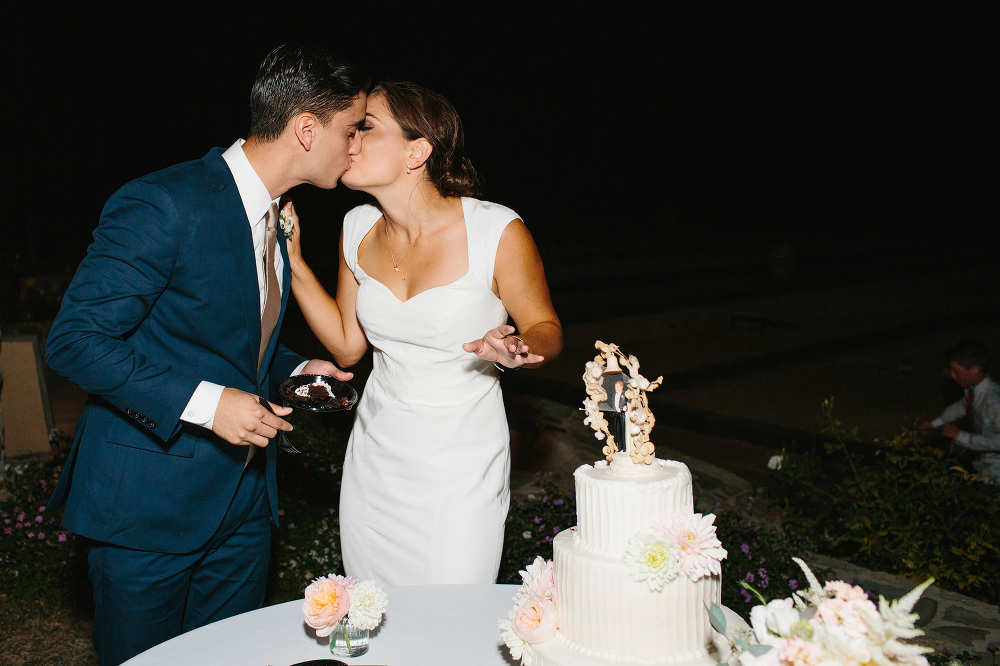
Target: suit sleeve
(127,267)
(283,364)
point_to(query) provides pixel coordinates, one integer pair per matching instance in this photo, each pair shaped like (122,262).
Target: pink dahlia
(699,550)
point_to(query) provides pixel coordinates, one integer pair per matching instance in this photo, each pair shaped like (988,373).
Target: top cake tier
(612,507)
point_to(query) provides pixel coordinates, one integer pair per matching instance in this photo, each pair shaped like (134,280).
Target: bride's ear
(420,152)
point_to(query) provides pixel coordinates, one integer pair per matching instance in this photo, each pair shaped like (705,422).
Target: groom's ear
(304,126)
(420,151)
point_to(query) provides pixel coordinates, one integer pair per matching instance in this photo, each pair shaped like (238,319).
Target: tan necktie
(272,297)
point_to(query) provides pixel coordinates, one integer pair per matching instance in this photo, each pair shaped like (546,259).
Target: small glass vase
(347,640)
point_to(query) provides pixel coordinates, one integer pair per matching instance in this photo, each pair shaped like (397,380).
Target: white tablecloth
(424,624)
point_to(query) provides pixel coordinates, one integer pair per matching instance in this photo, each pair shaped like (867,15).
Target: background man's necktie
(272,298)
(968,409)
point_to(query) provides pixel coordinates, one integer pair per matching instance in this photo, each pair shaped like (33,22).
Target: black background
(710,125)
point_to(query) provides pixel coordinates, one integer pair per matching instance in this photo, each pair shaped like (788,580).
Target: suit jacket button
(144,420)
(152,424)
(128,411)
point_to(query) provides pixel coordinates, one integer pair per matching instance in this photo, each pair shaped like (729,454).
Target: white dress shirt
(986,415)
(257,200)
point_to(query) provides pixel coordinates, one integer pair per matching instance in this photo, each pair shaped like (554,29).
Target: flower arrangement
(638,415)
(329,599)
(534,617)
(678,544)
(825,624)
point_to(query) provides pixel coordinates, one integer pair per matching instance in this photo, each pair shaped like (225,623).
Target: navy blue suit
(166,297)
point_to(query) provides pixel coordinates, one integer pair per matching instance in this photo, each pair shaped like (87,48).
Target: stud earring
(407,167)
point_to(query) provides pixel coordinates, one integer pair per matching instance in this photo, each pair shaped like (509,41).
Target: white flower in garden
(774,622)
(652,559)
(774,462)
(368,602)
(699,549)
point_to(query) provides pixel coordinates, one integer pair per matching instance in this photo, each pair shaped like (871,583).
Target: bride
(428,276)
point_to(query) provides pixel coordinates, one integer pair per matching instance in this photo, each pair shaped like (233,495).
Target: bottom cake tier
(608,617)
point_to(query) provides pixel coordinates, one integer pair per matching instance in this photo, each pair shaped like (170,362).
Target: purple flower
(537,520)
(31,535)
(41,536)
(61,538)
(749,576)
(38,519)
(558,502)
(746,595)
(793,584)
(6,530)
(745,548)
(993,647)
(20,517)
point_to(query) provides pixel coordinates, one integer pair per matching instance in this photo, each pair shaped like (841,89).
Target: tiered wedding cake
(633,581)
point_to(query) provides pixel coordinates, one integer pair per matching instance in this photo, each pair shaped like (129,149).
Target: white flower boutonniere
(287,225)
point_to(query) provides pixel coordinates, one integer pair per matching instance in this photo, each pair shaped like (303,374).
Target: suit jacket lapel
(232,217)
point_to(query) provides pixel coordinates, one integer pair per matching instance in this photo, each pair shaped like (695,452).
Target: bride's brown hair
(422,113)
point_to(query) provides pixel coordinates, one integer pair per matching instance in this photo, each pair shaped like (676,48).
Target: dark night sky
(728,122)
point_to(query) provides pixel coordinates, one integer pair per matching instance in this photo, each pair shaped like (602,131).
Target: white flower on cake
(534,617)
(538,581)
(832,624)
(653,559)
(536,620)
(368,603)
(700,551)
(519,648)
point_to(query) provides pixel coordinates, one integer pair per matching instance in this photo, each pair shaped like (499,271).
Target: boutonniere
(287,225)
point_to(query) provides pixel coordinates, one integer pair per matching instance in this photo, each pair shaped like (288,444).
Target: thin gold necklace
(395,264)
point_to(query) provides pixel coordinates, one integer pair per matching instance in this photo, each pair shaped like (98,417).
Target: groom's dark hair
(296,79)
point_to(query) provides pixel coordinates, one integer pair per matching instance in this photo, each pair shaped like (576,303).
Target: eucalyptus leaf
(758,650)
(717,618)
(740,643)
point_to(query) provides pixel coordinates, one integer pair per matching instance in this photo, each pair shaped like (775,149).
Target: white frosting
(611,508)
(303,391)
(605,616)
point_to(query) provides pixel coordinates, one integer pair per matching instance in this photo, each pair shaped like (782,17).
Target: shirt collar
(256,198)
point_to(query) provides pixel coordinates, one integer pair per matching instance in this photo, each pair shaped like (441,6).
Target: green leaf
(758,650)
(717,618)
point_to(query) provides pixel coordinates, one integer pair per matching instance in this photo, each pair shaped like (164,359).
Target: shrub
(904,505)
(533,520)
(37,555)
(760,554)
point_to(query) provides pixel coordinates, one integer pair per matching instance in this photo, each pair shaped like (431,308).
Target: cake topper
(602,376)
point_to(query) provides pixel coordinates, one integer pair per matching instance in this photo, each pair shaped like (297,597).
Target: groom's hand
(240,420)
(318,367)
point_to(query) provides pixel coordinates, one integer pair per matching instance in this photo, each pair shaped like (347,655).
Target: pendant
(395,269)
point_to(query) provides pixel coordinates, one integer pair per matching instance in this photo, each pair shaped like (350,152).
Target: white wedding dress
(426,481)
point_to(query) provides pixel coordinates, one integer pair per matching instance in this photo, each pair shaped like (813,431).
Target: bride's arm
(519,281)
(333,321)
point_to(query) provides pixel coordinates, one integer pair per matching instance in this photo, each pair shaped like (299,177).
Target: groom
(171,323)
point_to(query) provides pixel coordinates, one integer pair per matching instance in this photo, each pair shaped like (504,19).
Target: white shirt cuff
(937,423)
(201,407)
(964,438)
(298,370)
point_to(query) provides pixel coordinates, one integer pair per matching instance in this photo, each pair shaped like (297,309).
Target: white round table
(423,624)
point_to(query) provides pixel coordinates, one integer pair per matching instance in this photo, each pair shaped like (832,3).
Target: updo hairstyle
(422,113)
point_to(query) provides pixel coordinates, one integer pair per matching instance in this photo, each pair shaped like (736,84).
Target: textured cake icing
(605,615)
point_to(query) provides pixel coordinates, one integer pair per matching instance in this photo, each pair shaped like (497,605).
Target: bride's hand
(500,345)
(294,236)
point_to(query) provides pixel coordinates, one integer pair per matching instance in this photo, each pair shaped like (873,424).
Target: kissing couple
(172,321)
